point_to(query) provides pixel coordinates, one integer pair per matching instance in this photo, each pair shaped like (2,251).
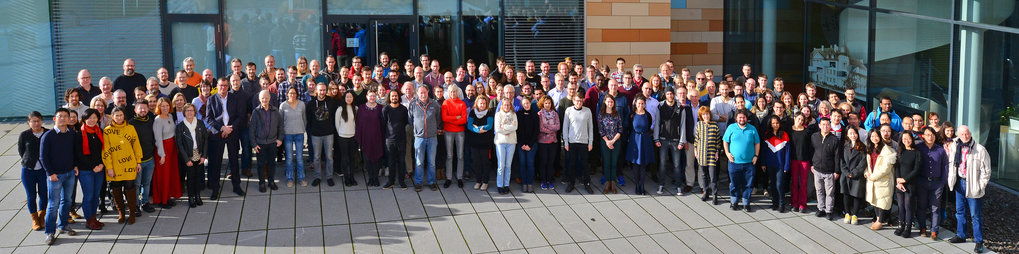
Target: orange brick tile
(594,34)
(655,35)
(681,60)
(716,25)
(660,9)
(714,48)
(620,35)
(653,60)
(712,14)
(690,26)
(707,59)
(689,48)
(599,9)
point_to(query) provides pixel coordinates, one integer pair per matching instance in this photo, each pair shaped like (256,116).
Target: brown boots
(132,204)
(610,186)
(38,220)
(118,203)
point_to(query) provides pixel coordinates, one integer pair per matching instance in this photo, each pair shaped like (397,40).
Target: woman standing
(346,148)
(90,166)
(880,163)
(641,150)
(527,135)
(394,116)
(852,165)
(121,154)
(454,117)
(166,180)
(178,107)
(204,92)
(33,176)
(293,138)
(191,136)
(481,140)
(505,144)
(776,161)
(610,126)
(707,144)
(802,152)
(369,135)
(548,147)
(909,165)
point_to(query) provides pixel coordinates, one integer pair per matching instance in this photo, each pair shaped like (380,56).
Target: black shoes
(570,188)
(979,248)
(434,187)
(239,192)
(273,186)
(705,196)
(460,183)
(588,188)
(734,207)
(447,184)
(747,208)
(389,185)
(330,182)
(957,239)
(831,216)
(821,214)
(148,208)
(417,187)
(316,182)
(261,187)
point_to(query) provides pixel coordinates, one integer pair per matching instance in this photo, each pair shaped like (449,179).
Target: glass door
(198,36)
(367,36)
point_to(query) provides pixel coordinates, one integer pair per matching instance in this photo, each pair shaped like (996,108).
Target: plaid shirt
(302,90)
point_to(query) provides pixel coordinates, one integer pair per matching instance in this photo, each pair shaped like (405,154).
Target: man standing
(129,80)
(620,70)
(57,158)
(825,167)
(742,144)
(321,129)
(434,77)
(244,98)
(224,114)
(424,115)
(969,170)
(668,134)
(314,74)
(885,107)
(723,106)
(270,69)
(86,91)
(142,122)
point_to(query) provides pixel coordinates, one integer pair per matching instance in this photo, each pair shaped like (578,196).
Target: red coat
(451,108)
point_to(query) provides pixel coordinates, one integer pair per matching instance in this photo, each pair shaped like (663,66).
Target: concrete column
(768,34)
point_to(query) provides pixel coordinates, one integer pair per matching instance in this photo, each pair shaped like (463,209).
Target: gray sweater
(577,126)
(424,116)
(162,129)
(293,118)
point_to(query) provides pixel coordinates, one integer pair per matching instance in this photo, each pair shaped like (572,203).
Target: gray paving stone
(280,241)
(619,245)
(394,238)
(93,247)
(527,200)
(898,251)
(842,234)
(618,219)
(163,244)
(456,199)
(549,198)
(773,240)
(434,203)
(169,222)
(228,214)
(312,206)
(366,238)
(448,234)
(541,250)
(594,247)
(410,205)
(696,242)
(525,229)
(189,244)
(134,245)
(337,239)
(481,200)
(863,231)
(19,225)
(282,209)
(251,241)
(423,236)
(685,213)
(502,235)
(748,241)
(721,241)
(567,248)
(504,202)
(645,244)
(31,249)
(197,221)
(594,220)
(640,217)
(255,213)
(670,243)
(574,225)
(794,236)
(383,204)
(550,228)
(663,216)
(308,240)
(810,230)
(475,234)
(358,208)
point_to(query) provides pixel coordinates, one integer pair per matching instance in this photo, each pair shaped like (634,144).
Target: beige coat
(880,184)
(979,164)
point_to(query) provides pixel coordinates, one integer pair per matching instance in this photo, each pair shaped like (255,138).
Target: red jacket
(451,108)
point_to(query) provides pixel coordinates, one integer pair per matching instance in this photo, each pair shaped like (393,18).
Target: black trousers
(266,162)
(852,204)
(547,155)
(709,179)
(233,146)
(577,159)
(194,178)
(396,151)
(907,204)
(481,164)
(346,149)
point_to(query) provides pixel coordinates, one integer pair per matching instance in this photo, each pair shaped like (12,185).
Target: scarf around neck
(85,130)
(958,150)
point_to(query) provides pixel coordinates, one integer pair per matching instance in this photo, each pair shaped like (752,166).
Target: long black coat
(853,163)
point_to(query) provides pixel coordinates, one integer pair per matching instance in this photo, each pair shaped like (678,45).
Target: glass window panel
(372,7)
(911,63)
(837,48)
(481,7)
(287,30)
(933,8)
(481,37)
(192,6)
(195,40)
(436,39)
(28,59)
(1000,13)
(437,8)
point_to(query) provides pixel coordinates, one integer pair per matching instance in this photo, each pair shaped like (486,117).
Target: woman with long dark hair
(89,154)
(548,146)
(641,151)
(122,153)
(369,135)
(907,168)
(775,160)
(852,165)
(880,169)
(346,146)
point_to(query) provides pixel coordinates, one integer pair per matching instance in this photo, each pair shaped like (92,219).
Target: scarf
(959,150)
(85,130)
(191,130)
(481,113)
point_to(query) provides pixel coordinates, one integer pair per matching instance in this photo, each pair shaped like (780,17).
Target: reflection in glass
(436,38)
(838,48)
(393,38)
(195,40)
(437,8)
(372,7)
(346,41)
(912,63)
(481,37)
(28,60)
(996,88)
(192,6)
(287,30)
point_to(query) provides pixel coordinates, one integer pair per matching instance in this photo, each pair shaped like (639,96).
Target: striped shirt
(707,143)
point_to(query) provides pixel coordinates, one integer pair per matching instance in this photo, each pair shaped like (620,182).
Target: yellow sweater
(121,152)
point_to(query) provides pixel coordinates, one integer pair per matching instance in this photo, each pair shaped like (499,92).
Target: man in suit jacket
(225,118)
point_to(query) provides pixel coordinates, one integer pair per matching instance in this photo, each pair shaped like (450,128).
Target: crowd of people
(685,130)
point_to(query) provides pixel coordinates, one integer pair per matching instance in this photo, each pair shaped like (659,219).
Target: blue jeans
(246,146)
(776,186)
(34,182)
(669,152)
(144,181)
(293,145)
(526,159)
(322,152)
(424,158)
(91,184)
(59,205)
(504,157)
(962,205)
(742,184)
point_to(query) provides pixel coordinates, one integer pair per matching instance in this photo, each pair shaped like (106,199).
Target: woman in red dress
(166,179)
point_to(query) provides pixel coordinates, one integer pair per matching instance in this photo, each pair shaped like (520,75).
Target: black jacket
(146,138)
(95,157)
(28,148)
(853,163)
(185,144)
(802,150)
(320,115)
(235,106)
(395,123)
(670,122)
(826,153)
(527,131)
(909,166)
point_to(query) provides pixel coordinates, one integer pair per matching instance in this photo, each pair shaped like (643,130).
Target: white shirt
(226,113)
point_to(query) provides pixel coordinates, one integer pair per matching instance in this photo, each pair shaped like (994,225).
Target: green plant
(1007,113)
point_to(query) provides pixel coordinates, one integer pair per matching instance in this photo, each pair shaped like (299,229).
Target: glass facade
(951,57)
(26,43)
(287,30)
